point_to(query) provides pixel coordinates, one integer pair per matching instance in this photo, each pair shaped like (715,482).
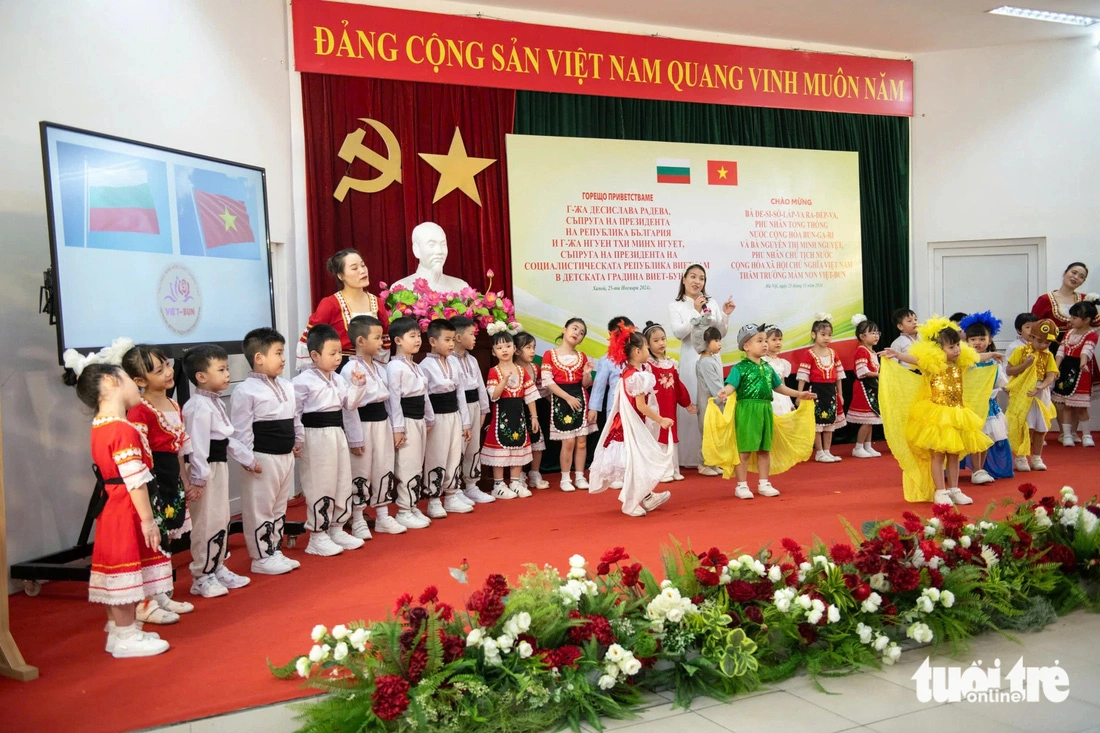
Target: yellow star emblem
(229,219)
(722,172)
(457,170)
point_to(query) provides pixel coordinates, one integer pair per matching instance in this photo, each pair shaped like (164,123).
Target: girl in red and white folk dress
(525,357)
(161,420)
(864,408)
(1073,389)
(567,373)
(628,454)
(821,371)
(127,565)
(670,391)
(507,441)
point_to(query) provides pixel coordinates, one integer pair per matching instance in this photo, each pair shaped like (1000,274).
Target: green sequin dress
(754,420)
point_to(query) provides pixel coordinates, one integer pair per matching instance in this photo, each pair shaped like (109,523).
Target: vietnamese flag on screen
(722,173)
(223,220)
(121,201)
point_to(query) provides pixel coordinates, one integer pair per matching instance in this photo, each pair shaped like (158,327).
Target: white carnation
(814,616)
(866,633)
(576,561)
(775,573)
(341,652)
(524,650)
(965,541)
(947,599)
(606,682)
(303,666)
(949,544)
(318,633)
(881,642)
(474,637)
(891,655)
(834,614)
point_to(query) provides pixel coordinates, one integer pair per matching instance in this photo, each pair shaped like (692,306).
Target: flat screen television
(160,245)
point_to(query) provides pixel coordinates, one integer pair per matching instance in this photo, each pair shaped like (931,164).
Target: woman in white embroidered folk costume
(628,452)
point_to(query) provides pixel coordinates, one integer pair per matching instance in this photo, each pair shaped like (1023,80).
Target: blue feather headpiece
(986,318)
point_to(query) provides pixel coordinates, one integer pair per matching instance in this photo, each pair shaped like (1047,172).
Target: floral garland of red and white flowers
(490,310)
(553,650)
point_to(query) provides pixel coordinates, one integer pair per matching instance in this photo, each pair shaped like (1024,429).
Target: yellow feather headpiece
(931,328)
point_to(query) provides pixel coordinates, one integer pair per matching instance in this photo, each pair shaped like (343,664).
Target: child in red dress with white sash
(670,391)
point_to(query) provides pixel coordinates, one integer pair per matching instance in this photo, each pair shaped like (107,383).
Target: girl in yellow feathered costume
(934,418)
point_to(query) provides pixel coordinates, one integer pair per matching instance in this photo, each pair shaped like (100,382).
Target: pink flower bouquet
(489,310)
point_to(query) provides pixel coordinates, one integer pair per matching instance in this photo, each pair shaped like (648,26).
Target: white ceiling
(902,26)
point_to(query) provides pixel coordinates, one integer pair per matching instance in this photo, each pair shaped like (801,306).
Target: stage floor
(218,660)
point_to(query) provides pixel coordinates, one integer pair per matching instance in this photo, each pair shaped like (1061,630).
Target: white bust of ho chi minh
(430,249)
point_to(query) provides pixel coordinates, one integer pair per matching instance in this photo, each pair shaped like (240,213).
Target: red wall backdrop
(423,117)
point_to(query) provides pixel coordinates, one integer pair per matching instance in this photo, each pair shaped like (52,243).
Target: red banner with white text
(387,43)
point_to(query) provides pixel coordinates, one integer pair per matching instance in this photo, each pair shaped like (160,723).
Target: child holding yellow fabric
(933,418)
(1032,371)
(747,432)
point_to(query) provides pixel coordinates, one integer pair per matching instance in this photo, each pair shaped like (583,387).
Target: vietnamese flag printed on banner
(722,172)
(224,220)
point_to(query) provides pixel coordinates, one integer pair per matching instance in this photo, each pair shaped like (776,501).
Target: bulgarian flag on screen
(119,200)
(673,170)
(224,220)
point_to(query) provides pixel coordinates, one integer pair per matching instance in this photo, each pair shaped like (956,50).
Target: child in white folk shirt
(321,396)
(906,321)
(472,384)
(268,426)
(411,417)
(369,434)
(212,439)
(446,442)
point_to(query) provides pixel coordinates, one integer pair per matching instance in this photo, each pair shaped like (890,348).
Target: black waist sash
(374,412)
(413,407)
(219,450)
(274,437)
(472,395)
(445,403)
(330,419)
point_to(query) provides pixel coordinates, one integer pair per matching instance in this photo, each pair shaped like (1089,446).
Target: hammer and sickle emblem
(389,167)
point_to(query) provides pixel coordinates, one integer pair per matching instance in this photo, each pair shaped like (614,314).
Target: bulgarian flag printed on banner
(673,170)
(119,200)
(223,220)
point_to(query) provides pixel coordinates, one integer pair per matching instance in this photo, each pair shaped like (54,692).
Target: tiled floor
(881,700)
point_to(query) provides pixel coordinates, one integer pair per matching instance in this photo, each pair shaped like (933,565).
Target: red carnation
(790,574)
(390,696)
(842,553)
(614,555)
(453,646)
(889,533)
(1022,534)
(861,592)
(794,550)
(430,595)
(754,614)
(1028,490)
(764,590)
(562,657)
(403,601)
(889,611)
(418,662)
(498,584)
(1063,556)
(630,575)
(1048,503)
(905,579)
(706,576)
(808,632)
(488,606)
(446,610)
(603,569)
(935,578)
(741,591)
(913,523)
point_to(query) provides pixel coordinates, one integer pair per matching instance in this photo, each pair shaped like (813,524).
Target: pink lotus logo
(179,296)
(179,290)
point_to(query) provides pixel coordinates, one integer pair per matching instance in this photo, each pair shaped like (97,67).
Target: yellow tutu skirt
(944,429)
(792,440)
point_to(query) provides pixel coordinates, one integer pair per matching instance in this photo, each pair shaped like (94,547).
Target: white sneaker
(869,448)
(667,479)
(360,530)
(112,635)
(501,491)
(536,481)
(1037,464)
(1086,441)
(958,497)
(655,499)
(419,514)
(322,545)
(1067,440)
(832,458)
(743,491)
(616,485)
(165,601)
(408,520)
(860,452)
(294,564)
(710,471)
(229,579)
(566,485)
(677,476)
(436,510)
(138,644)
(822,457)
(208,586)
(343,539)
(580,481)
(765,488)
(520,489)
(477,496)
(389,525)
(637,512)
(150,612)
(452,504)
(1079,439)
(981,476)
(271,565)
(1021,464)
(461,496)
(942,496)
